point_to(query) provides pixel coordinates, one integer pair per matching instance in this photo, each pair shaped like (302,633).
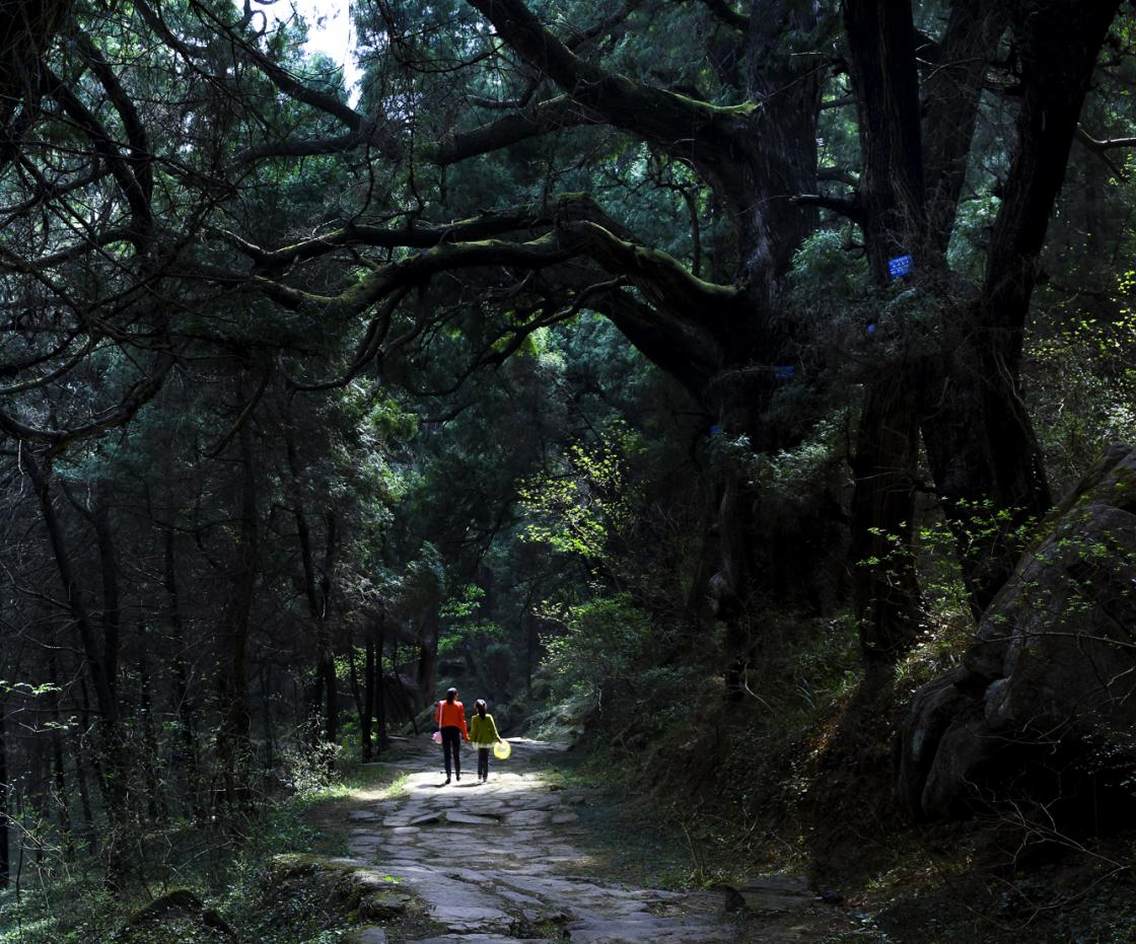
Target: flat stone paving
(490,862)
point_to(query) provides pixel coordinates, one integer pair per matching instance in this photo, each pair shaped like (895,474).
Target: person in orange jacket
(450,718)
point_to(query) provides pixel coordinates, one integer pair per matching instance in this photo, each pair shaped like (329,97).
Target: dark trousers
(451,745)
(483,762)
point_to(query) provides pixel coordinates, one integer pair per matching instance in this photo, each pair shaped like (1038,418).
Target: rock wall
(1053,668)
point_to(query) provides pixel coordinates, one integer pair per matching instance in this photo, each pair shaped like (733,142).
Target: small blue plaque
(784,371)
(900,266)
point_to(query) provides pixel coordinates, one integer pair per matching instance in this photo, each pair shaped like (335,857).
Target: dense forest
(742,392)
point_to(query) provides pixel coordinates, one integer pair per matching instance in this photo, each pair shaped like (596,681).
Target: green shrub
(601,642)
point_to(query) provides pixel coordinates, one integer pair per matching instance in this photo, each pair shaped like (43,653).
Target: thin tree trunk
(266,708)
(5,820)
(155,804)
(428,655)
(60,775)
(411,708)
(184,705)
(367,706)
(233,745)
(380,699)
(90,751)
(98,664)
(317,589)
(90,833)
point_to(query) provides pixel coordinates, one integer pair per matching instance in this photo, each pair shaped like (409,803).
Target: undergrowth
(797,776)
(223,866)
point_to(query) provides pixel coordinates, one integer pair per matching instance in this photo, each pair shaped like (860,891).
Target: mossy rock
(1042,702)
(177,917)
(344,888)
(385,904)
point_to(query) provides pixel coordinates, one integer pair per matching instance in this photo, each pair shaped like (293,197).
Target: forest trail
(501,863)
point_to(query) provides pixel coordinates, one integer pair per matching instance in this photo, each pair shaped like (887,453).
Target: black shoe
(459,776)
(448,779)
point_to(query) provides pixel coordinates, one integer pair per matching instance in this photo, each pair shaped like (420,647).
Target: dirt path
(501,863)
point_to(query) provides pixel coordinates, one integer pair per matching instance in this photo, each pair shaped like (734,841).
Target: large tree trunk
(887,597)
(881,40)
(981,446)
(987,467)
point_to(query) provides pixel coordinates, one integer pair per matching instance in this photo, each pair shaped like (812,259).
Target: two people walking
(482,731)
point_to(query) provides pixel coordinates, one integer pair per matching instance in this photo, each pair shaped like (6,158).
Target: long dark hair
(480,706)
(451,694)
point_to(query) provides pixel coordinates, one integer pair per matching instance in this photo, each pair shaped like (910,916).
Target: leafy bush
(601,641)
(309,765)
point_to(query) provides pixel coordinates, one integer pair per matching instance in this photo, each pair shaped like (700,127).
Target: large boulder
(1050,682)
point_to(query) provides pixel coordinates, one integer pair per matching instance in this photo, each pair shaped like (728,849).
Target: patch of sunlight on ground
(22,932)
(374,793)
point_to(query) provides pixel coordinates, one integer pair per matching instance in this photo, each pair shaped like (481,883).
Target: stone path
(492,863)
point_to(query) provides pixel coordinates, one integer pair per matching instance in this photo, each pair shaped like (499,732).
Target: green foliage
(27,689)
(827,276)
(226,870)
(600,645)
(463,603)
(967,250)
(581,506)
(308,764)
(1085,383)
(791,474)
(460,635)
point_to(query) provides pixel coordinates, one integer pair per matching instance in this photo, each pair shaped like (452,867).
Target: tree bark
(90,831)
(428,655)
(881,41)
(233,745)
(114,768)
(152,762)
(981,446)
(59,769)
(367,713)
(886,588)
(5,798)
(183,697)
(380,699)
(317,588)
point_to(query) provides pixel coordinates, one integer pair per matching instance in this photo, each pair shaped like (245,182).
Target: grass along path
(513,862)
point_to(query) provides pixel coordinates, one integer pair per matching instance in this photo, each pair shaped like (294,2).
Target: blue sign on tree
(784,371)
(901,266)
